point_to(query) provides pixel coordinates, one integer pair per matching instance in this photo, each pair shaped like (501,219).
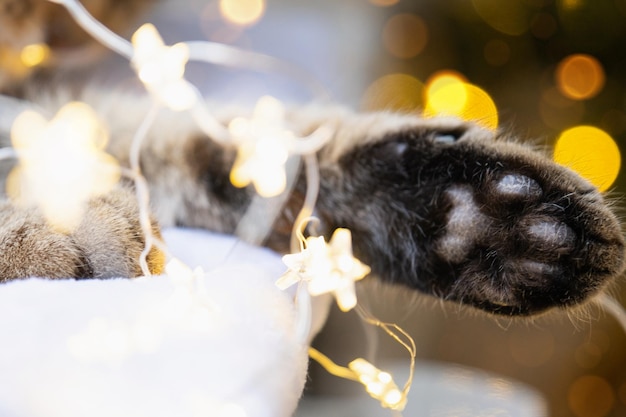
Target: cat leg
(461,213)
(107,243)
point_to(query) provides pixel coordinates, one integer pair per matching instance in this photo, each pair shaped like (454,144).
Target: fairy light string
(316,266)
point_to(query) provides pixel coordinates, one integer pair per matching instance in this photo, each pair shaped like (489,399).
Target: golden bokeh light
(445,94)
(242,12)
(35,54)
(570,4)
(400,92)
(579,77)
(591,396)
(405,35)
(508,17)
(384,3)
(591,152)
(11,64)
(448,94)
(497,52)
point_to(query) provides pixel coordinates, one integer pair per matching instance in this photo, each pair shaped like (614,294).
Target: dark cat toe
(517,187)
(549,235)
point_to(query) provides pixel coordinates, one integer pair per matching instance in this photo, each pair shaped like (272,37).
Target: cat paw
(453,211)
(107,242)
(520,249)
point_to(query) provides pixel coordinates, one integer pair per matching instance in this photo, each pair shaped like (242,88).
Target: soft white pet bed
(135,348)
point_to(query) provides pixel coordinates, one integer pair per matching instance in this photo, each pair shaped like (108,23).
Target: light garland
(262,147)
(161,68)
(319,267)
(75,137)
(326,268)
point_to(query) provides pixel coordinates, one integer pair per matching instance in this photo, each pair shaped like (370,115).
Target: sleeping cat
(438,205)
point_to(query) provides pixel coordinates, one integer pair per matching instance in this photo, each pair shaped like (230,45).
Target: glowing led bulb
(62,163)
(378,384)
(263,148)
(161,68)
(326,268)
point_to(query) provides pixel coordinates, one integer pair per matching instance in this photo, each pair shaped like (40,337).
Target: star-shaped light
(326,268)
(62,163)
(379,384)
(262,148)
(161,68)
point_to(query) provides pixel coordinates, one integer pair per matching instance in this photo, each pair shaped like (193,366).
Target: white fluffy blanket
(150,347)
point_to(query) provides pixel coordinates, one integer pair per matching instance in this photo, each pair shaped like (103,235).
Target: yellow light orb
(405,35)
(591,396)
(242,12)
(447,94)
(400,92)
(580,77)
(590,152)
(34,54)
(384,3)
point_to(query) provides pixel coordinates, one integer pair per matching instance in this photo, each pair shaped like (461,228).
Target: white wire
(141,186)
(97,29)
(231,56)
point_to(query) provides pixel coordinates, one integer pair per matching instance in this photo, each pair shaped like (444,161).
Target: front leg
(107,242)
(456,212)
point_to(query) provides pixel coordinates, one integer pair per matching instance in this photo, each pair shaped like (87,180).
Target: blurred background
(552,71)
(538,68)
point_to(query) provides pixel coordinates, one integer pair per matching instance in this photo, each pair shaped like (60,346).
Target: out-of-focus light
(579,76)
(384,3)
(242,12)
(400,92)
(161,68)
(591,396)
(508,17)
(11,63)
(497,52)
(570,4)
(590,152)
(447,94)
(378,384)
(62,163)
(262,148)
(326,268)
(34,54)
(405,35)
